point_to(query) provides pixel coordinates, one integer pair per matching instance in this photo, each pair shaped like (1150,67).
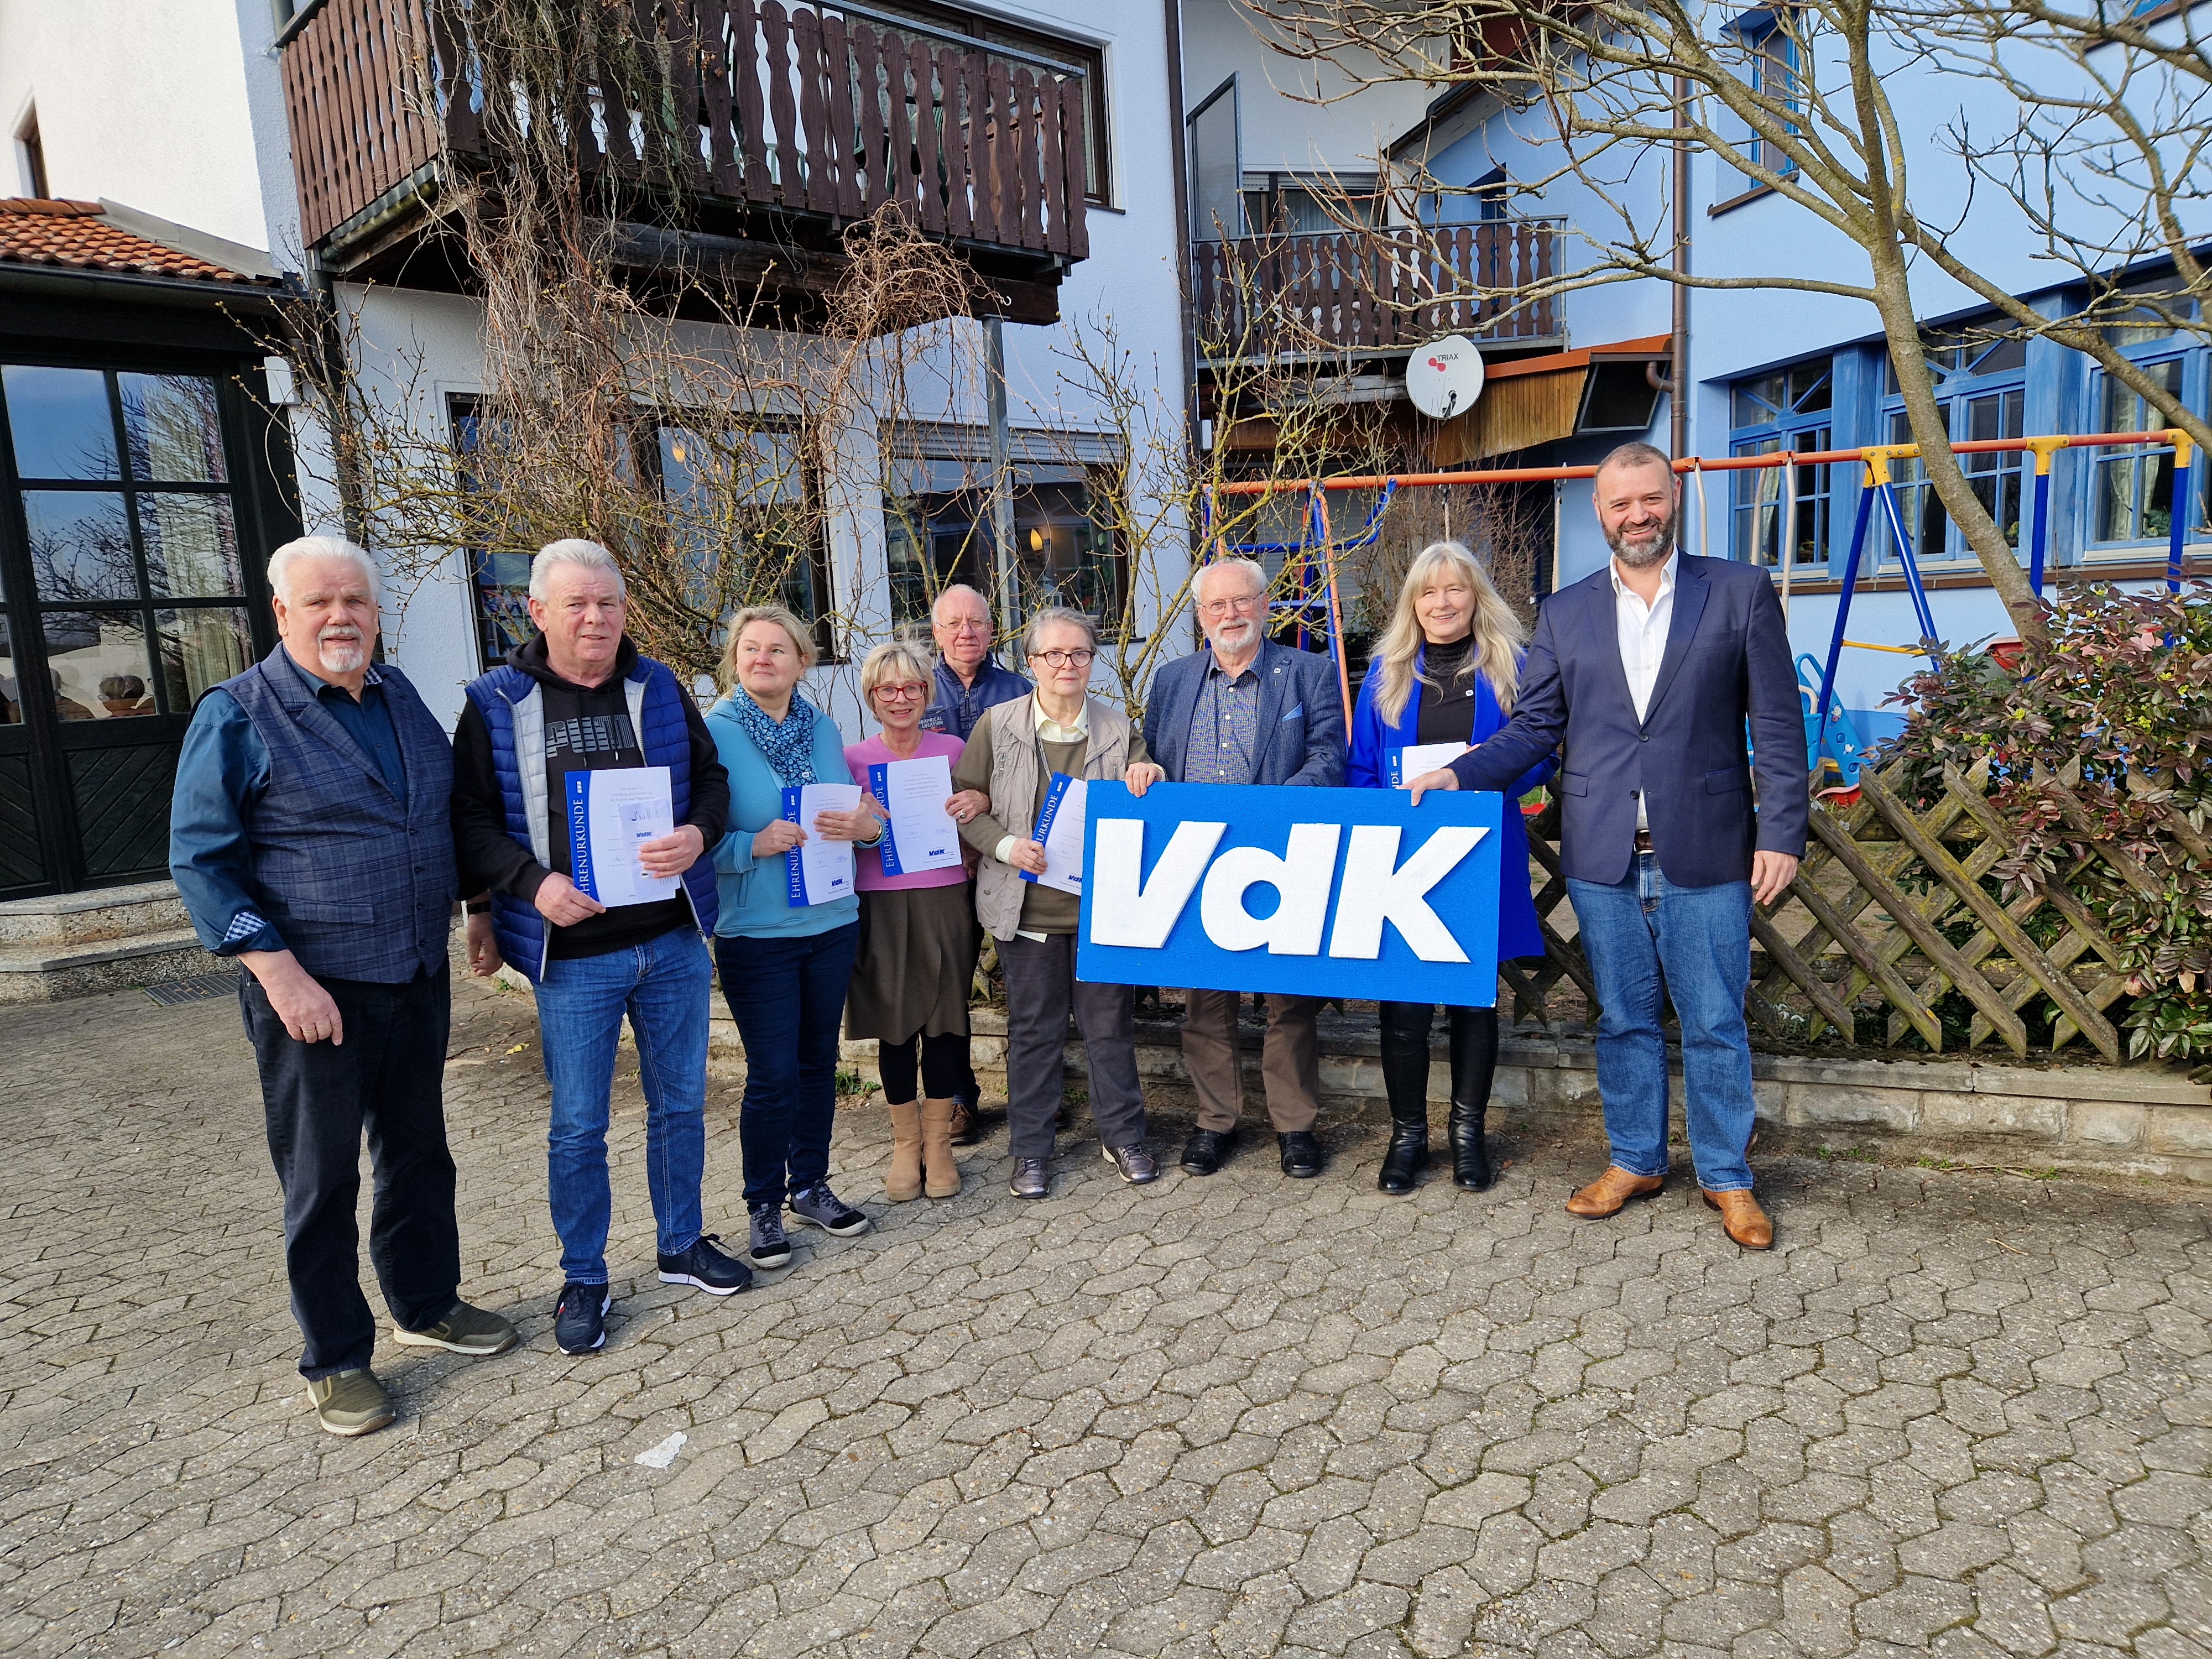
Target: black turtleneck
(1447,713)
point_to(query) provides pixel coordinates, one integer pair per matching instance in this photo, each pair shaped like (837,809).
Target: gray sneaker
(464,1330)
(348,1403)
(769,1247)
(818,1206)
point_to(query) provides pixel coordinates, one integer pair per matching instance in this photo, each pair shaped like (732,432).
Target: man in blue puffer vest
(308,837)
(578,697)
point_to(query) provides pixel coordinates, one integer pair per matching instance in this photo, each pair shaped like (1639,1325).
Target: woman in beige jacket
(1011,756)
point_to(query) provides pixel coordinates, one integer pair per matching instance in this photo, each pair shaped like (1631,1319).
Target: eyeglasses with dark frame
(1077,658)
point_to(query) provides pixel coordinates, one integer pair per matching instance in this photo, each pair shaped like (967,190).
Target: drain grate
(195,987)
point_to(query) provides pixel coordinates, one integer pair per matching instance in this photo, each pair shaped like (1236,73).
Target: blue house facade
(1773,368)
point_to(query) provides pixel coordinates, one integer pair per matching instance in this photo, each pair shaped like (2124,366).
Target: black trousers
(939,1072)
(386,1079)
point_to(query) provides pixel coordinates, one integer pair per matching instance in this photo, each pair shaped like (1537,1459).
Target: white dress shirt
(1642,632)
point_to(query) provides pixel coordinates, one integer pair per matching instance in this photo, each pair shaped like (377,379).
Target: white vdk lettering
(1376,890)
(1302,876)
(1127,910)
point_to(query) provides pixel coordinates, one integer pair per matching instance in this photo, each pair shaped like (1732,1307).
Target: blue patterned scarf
(787,744)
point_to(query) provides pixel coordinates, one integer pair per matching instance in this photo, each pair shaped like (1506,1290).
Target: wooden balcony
(1372,294)
(802,120)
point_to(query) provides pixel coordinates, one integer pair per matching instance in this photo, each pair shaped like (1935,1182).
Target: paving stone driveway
(1239,1416)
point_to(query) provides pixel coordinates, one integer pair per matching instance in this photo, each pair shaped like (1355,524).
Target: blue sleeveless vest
(360,886)
(663,735)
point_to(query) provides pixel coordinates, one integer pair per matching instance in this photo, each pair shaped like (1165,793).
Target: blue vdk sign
(1366,895)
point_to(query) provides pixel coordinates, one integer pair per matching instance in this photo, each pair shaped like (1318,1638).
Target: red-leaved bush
(2117,712)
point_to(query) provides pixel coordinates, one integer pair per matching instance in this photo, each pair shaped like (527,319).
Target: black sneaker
(818,1206)
(769,1248)
(704,1264)
(579,1320)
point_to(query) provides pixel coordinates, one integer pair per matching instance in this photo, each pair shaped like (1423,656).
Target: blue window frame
(2131,497)
(1790,408)
(1981,386)
(1770,66)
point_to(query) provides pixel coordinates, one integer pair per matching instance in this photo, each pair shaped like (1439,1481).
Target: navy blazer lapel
(1690,591)
(1272,665)
(1174,753)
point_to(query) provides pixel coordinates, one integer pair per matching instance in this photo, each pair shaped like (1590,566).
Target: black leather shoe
(1407,1157)
(1207,1149)
(1301,1159)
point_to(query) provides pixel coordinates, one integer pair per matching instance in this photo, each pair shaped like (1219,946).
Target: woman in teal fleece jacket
(784,966)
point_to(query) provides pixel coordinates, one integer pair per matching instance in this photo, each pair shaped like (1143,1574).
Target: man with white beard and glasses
(1650,672)
(310,837)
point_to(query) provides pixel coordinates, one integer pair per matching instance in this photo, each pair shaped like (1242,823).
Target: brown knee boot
(942,1173)
(903,1179)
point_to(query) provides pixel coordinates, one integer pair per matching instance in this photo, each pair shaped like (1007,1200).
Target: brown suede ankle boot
(903,1179)
(942,1174)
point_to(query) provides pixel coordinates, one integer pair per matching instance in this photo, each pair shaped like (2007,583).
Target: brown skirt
(917,961)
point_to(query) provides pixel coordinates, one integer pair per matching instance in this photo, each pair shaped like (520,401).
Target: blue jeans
(665,986)
(787,996)
(1636,932)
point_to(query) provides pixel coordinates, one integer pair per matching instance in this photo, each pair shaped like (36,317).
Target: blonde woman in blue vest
(1447,670)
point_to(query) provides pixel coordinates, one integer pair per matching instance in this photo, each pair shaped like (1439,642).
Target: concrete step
(52,973)
(106,913)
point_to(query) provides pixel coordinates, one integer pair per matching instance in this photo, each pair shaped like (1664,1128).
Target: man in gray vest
(310,837)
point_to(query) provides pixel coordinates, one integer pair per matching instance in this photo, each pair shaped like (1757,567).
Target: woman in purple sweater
(909,988)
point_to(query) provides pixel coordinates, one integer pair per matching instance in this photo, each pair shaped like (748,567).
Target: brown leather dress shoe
(1741,1219)
(1605,1196)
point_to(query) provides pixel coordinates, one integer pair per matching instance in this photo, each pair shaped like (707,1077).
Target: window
(1787,409)
(34,156)
(937,523)
(1769,66)
(1981,387)
(1492,196)
(1056,48)
(2133,496)
(1217,171)
(137,589)
(740,514)
(1308,204)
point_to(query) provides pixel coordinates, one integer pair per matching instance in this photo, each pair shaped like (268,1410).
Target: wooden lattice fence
(1891,909)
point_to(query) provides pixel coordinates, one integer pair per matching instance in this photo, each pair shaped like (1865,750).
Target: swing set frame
(1315,601)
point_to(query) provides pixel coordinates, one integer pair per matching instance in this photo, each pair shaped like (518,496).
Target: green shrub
(2117,708)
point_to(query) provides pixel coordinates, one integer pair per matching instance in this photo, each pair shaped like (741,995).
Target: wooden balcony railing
(1381,291)
(794,109)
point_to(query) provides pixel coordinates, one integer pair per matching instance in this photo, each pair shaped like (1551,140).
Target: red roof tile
(37,231)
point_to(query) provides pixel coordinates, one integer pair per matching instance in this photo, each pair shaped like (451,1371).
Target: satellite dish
(1444,377)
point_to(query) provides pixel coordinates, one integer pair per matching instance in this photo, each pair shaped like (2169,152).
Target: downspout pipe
(1678,401)
(1178,120)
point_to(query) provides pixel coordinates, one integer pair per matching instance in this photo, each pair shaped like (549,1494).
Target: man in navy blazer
(1246,710)
(1649,672)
